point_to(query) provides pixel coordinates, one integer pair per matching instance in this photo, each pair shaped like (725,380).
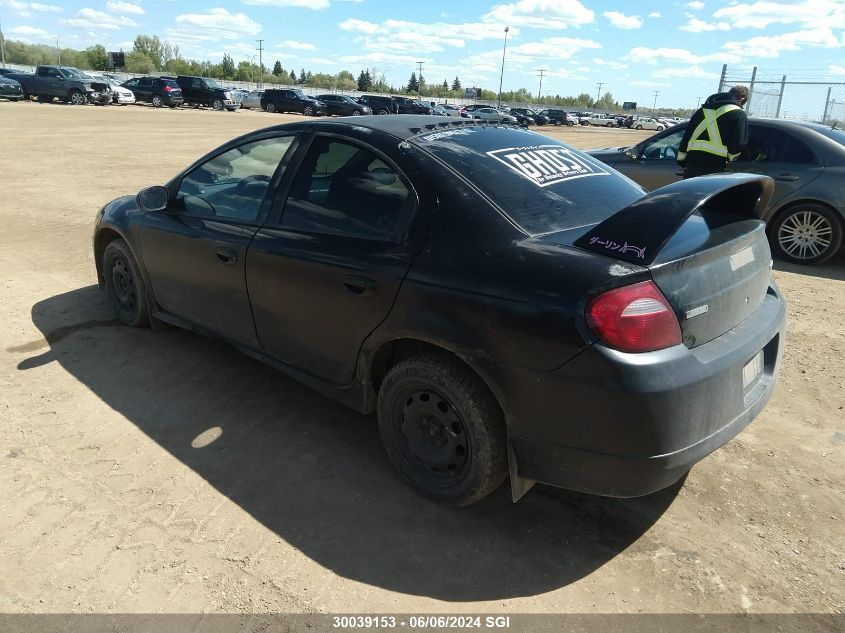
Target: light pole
(419,81)
(58,52)
(252,70)
(502,74)
(2,47)
(542,72)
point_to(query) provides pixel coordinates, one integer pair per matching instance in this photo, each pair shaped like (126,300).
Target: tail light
(635,318)
(167,88)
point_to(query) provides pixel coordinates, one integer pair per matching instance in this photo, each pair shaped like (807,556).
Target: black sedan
(343,105)
(507,305)
(806,216)
(10,89)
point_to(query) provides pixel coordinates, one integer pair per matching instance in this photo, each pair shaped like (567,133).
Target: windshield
(541,184)
(835,134)
(299,93)
(72,72)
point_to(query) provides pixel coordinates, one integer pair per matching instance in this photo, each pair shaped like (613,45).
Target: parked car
(120,95)
(64,83)
(204,91)
(10,89)
(522,117)
(344,105)
(291,100)
(806,214)
(19,76)
(157,91)
(455,110)
(581,118)
(493,115)
(602,120)
(439,110)
(252,99)
(647,123)
(558,117)
(379,104)
(412,106)
(567,346)
(539,119)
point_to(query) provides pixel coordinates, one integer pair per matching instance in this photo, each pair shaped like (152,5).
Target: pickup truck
(603,120)
(66,83)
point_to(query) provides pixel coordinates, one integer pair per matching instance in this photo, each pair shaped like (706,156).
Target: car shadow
(315,473)
(833,269)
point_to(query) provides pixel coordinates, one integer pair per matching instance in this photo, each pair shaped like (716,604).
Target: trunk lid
(704,244)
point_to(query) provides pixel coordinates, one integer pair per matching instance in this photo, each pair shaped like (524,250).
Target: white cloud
(25,9)
(622,21)
(315,5)
(300,46)
(642,54)
(553,48)
(655,14)
(403,36)
(770,46)
(695,5)
(646,84)
(685,72)
(836,70)
(118,6)
(213,25)
(541,14)
(598,61)
(699,26)
(93,20)
(807,13)
(29,31)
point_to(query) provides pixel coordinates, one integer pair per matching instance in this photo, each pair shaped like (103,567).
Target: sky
(632,49)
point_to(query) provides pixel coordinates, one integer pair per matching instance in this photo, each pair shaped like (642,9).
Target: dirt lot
(157,471)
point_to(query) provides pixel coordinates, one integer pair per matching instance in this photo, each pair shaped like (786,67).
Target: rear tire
(443,429)
(125,286)
(806,233)
(157,101)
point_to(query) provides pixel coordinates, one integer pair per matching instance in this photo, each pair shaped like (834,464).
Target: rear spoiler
(638,233)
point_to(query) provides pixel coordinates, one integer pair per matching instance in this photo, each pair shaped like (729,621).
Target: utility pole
(656,94)
(698,103)
(419,80)
(2,47)
(542,72)
(502,74)
(58,52)
(252,70)
(260,50)
(598,92)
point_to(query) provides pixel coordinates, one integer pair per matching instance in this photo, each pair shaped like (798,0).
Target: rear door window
(772,145)
(344,189)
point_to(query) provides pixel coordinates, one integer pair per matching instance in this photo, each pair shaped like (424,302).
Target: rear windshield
(171,83)
(830,132)
(541,184)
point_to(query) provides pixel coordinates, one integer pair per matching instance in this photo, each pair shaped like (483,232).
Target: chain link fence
(802,95)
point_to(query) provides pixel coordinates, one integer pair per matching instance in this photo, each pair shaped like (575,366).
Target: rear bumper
(625,425)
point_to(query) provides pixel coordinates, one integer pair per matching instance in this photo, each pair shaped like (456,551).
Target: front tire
(308,111)
(356,113)
(271,107)
(217,104)
(382,112)
(442,429)
(76,97)
(125,286)
(157,101)
(639,127)
(806,233)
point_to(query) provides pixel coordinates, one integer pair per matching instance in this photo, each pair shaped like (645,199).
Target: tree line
(151,54)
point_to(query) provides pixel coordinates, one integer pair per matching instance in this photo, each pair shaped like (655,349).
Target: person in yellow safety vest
(716,134)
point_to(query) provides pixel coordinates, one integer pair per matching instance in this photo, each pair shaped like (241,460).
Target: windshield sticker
(546,165)
(446,134)
(610,245)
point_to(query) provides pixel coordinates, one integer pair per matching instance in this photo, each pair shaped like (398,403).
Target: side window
(145,82)
(342,189)
(664,148)
(232,185)
(771,145)
(132,83)
(54,73)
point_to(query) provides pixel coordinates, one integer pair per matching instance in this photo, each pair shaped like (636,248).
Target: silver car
(492,114)
(252,99)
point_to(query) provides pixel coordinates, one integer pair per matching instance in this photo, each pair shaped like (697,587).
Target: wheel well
(104,238)
(779,212)
(398,350)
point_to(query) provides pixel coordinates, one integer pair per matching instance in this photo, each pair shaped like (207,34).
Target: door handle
(227,256)
(362,286)
(787,177)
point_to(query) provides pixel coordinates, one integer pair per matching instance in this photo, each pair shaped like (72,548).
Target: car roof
(402,126)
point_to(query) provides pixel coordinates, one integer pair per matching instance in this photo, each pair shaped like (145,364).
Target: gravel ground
(161,472)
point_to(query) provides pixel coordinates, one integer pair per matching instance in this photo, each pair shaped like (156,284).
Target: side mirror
(152,198)
(633,153)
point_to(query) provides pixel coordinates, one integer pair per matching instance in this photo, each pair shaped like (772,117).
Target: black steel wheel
(442,429)
(806,233)
(124,284)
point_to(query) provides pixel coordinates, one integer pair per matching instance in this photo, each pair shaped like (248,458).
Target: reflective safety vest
(709,125)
